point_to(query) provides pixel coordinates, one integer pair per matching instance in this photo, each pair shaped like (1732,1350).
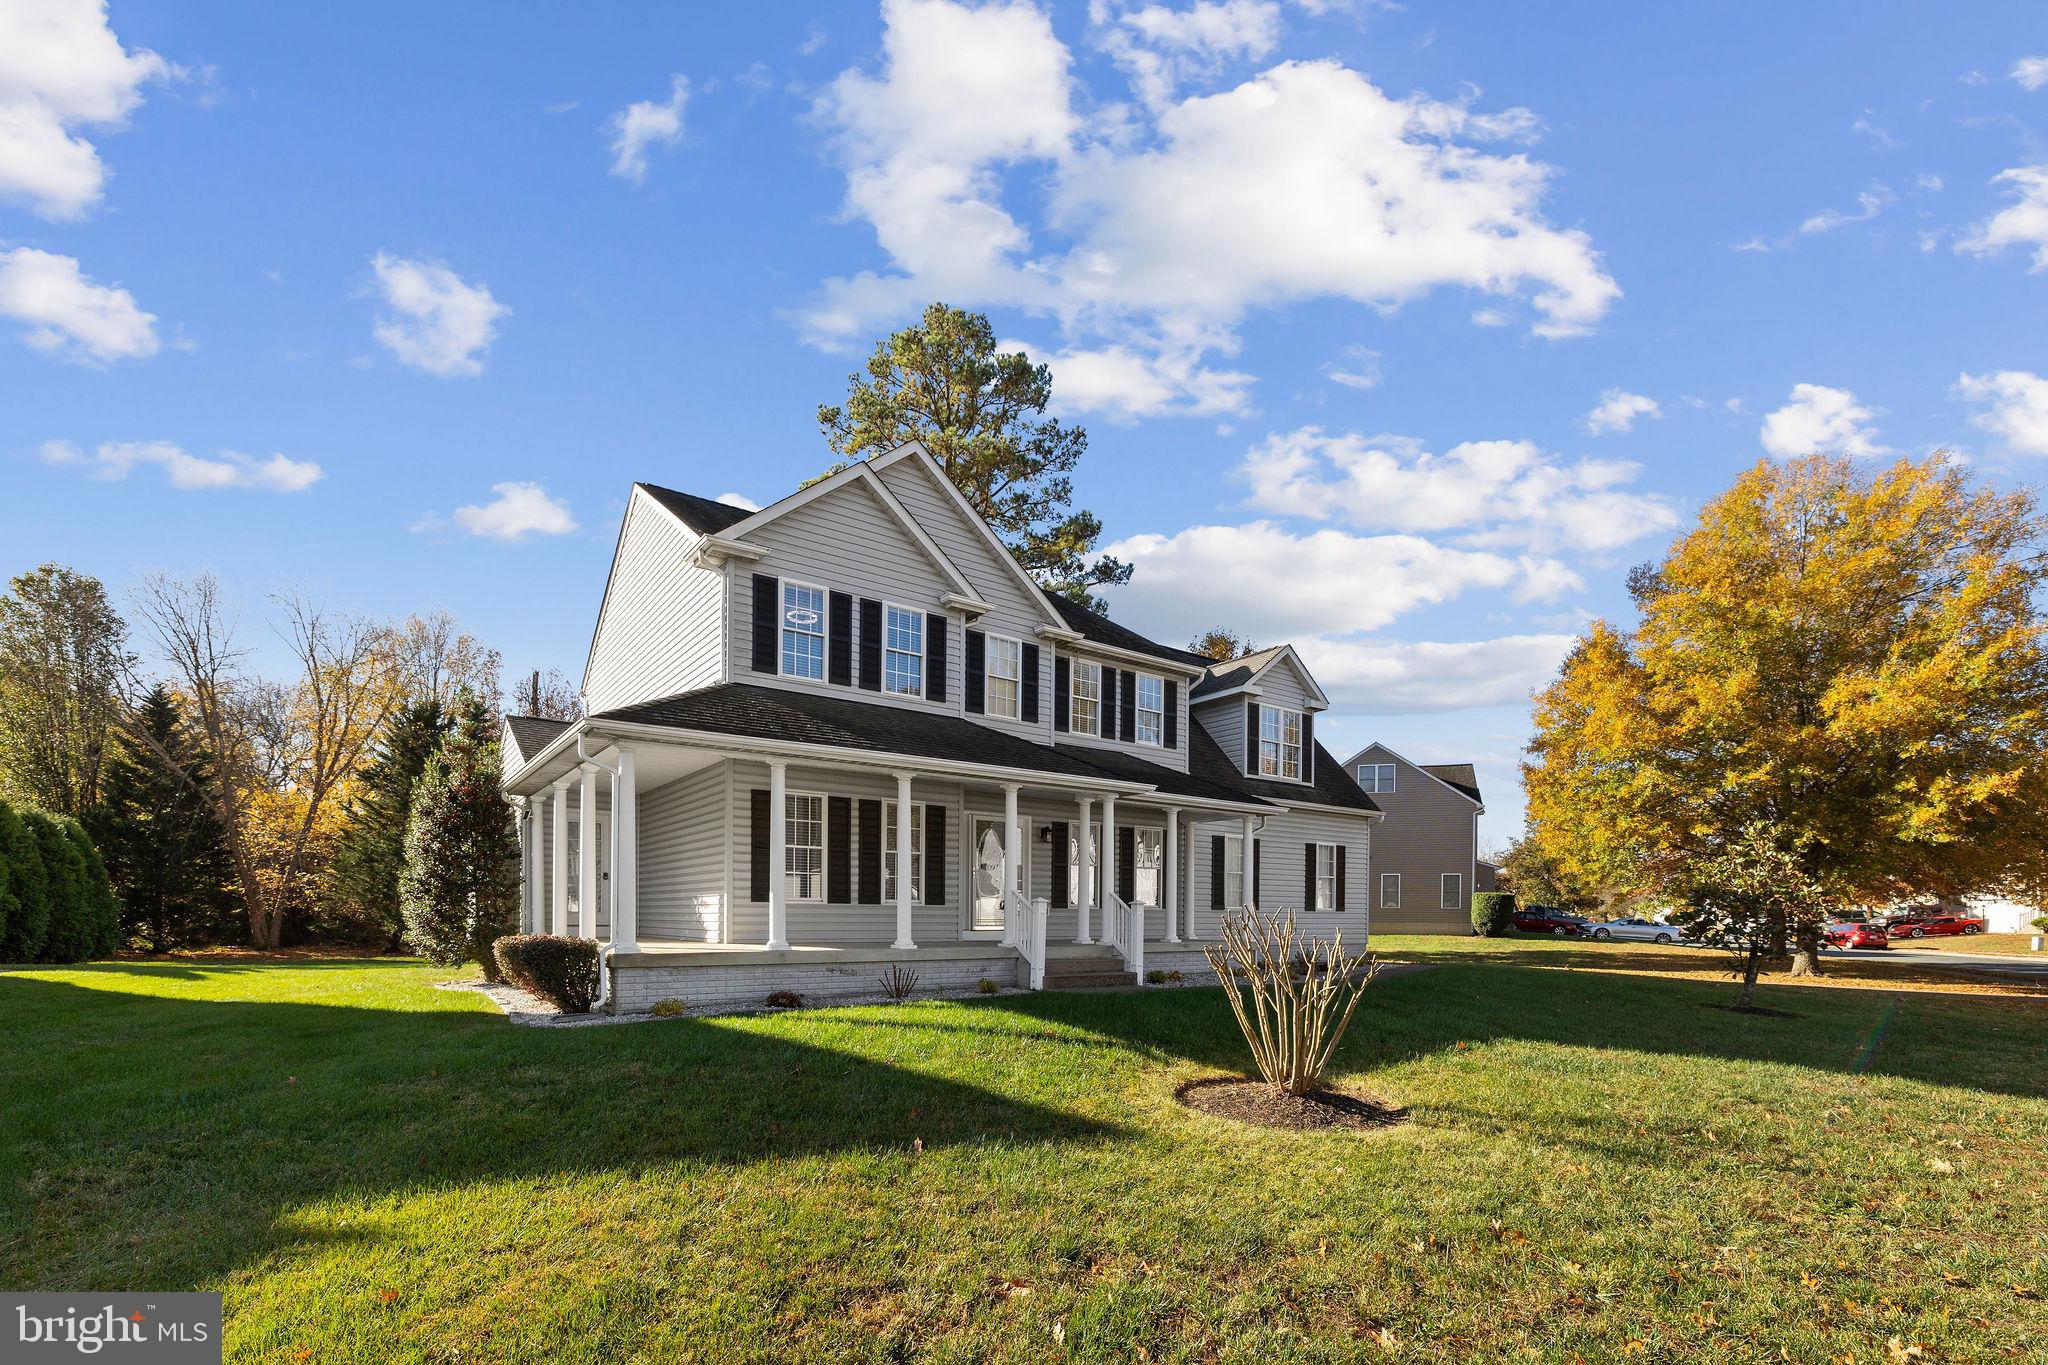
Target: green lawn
(1599,1165)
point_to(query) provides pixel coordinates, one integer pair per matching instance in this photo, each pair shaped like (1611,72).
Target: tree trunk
(1806,953)
(1751,961)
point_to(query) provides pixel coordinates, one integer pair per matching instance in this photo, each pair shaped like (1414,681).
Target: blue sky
(1400,331)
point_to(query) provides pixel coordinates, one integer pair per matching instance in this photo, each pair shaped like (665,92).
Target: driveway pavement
(2034,967)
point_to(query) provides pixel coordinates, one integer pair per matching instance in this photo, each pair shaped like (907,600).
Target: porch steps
(1082,967)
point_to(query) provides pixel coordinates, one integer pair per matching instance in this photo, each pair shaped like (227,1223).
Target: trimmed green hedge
(56,902)
(562,971)
(1492,911)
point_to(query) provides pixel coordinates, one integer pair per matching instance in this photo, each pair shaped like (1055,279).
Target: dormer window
(803,631)
(1279,743)
(1152,712)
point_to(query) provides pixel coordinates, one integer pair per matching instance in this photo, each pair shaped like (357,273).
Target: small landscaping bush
(898,982)
(1155,977)
(986,986)
(1298,997)
(1492,912)
(562,971)
(785,1000)
(666,1009)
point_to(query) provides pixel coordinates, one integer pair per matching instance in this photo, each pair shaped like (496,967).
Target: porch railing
(1124,930)
(1024,930)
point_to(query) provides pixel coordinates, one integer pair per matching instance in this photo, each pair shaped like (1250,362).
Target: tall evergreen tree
(71,936)
(158,827)
(63,650)
(371,854)
(28,887)
(460,886)
(99,907)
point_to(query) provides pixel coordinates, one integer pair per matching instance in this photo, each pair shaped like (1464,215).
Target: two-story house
(1425,853)
(847,731)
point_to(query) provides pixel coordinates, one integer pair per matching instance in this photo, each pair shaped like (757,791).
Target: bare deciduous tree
(1292,996)
(550,695)
(437,659)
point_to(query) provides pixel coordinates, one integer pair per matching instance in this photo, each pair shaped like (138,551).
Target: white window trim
(916,853)
(1450,890)
(1074,690)
(1279,714)
(1328,851)
(922,655)
(1233,878)
(824,630)
(1138,710)
(1380,785)
(1390,880)
(989,675)
(824,847)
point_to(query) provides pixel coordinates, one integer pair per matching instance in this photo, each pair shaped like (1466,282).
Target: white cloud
(1390,677)
(2023,223)
(1879,136)
(438,323)
(1124,383)
(1819,418)
(2019,407)
(739,500)
(1869,204)
(112,460)
(645,124)
(1494,492)
(2031,72)
(519,510)
(68,314)
(61,69)
(1618,410)
(1160,48)
(1355,368)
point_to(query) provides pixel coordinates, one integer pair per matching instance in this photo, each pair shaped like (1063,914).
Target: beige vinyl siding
(1283,838)
(1176,757)
(683,838)
(657,631)
(1429,830)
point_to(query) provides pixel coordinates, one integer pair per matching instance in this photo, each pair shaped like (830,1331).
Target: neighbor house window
(1085,714)
(889,851)
(903,652)
(1151,709)
(1279,743)
(1453,891)
(803,631)
(1005,676)
(1326,877)
(1390,891)
(804,859)
(1233,872)
(1376,777)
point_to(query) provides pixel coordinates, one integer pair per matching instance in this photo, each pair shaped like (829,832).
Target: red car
(1849,935)
(1934,926)
(1537,920)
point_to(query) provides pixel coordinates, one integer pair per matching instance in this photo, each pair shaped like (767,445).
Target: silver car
(1634,929)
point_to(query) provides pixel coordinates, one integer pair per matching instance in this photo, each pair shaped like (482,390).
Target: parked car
(1634,928)
(1847,934)
(1934,926)
(1542,919)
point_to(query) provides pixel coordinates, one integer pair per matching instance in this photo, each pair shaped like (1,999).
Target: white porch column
(1011,860)
(1084,900)
(1173,876)
(626,860)
(1108,854)
(558,894)
(535,921)
(778,854)
(587,894)
(1248,886)
(903,832)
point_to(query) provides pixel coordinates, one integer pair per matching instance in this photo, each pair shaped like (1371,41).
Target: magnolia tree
(1293,996)
(459,889)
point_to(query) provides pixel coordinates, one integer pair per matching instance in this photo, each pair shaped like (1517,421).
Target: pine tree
(371,855)
(158,828)
(70,937)
(460,885)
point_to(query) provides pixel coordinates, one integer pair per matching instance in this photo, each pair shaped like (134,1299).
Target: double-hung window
(889,852)
(1151,709)
(1005,676)
(804,856)
(1390,891)
(1326,877)
(803,631)
(903,651)
(1376,777)
(1233,872)
(1084,715)
(1279,743)
(1452,896)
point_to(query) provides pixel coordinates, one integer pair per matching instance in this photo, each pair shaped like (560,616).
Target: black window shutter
(1251,739)
(767,639)
(757,840)
(870,645)
(870,853)
(977,671)
(1127,706)
(1126,859)
(839,665)
(934,656)
(1059,865)
(1030,702)
(839,851)
(1308,746)
(1172,714)
(1062,683)
(1216,872)
(934,855)
(1106,705)
(1340,876)
(1308,877)
(1258,885)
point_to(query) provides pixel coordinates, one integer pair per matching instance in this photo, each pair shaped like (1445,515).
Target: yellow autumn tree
(1852,656)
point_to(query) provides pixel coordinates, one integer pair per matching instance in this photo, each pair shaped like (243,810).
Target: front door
(1148,886)
(985,874)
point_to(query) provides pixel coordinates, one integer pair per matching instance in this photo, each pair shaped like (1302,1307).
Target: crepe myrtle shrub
(459,889)
(1293,996)
(1492,912)
(898,982)
(561,971)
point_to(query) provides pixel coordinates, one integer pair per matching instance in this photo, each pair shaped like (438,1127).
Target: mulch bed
(1259,1104)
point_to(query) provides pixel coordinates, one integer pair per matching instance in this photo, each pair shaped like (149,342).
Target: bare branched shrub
(898,982)
(1293,996)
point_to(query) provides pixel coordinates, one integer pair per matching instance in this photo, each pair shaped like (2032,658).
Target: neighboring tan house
(766,689)
(1425,854)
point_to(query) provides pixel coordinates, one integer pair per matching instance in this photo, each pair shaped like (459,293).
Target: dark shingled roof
(1170,781)
(1458,775)
(1332,787)
(534,733)
(1103,631)
(1233,672)
(701,515)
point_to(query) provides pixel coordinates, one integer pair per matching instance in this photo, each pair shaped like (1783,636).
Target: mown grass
(1599,1166)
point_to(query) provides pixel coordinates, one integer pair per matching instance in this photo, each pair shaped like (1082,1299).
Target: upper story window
(903,651)
(1005,676)
(1085,704)
(1279,743)
(1376,777)
(803,631)
(1152,711)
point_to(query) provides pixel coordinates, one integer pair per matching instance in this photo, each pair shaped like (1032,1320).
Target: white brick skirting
(640,983)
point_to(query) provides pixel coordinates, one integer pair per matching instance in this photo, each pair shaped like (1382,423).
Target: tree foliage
(943,383)
(370,855)
(24,890)
(460,885)
(1746,893)
(1220,643)
(1537,878)
(1850,658)
(63,654)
